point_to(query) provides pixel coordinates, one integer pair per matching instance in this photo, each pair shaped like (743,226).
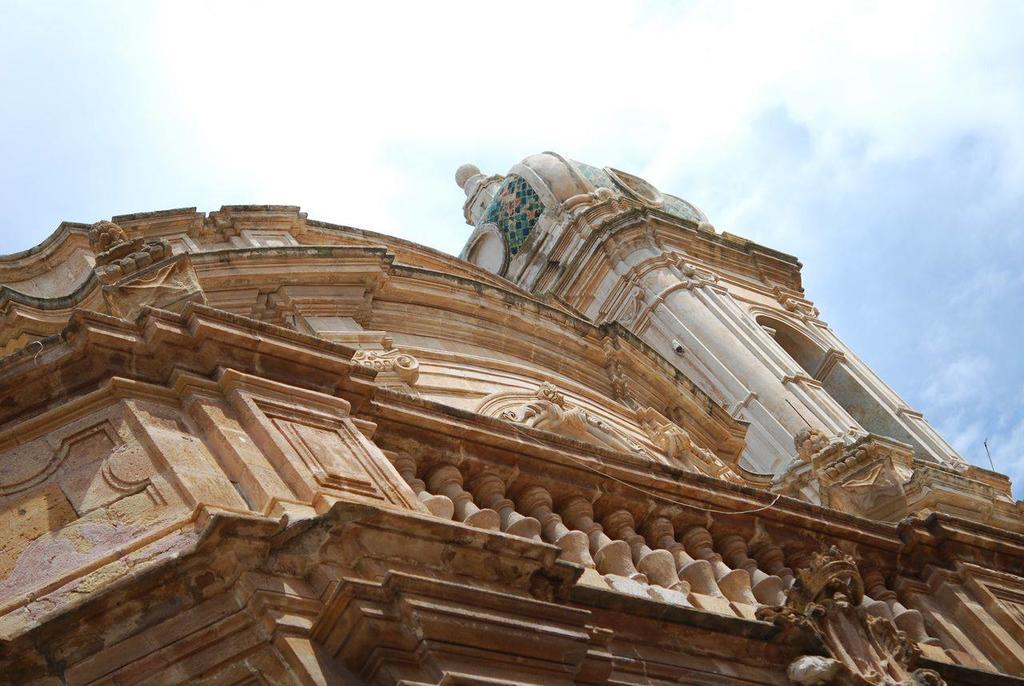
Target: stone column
(714,343)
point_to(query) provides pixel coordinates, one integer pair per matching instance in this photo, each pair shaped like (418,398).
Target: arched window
(829,368)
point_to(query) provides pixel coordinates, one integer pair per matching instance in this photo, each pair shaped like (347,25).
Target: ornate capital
(392,360)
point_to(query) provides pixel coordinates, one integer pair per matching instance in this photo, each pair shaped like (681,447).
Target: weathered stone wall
(252,448)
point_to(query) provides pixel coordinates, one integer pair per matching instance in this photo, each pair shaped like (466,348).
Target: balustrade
(771,559)
(729,576)
(735,583)
(537,502)
(697,573)
(446,479)
(657,565)
(489,491)
(767,588)
(881,601)
(614,559)
(438,505)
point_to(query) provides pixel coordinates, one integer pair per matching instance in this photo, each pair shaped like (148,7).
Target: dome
(557,179)
(552,176)
(512,205)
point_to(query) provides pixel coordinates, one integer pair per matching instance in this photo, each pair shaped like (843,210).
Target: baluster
(446,480)
(658,565)
(735,583)
(614,559)
(771,558)
(878,594)
(489,491)
(438,505)
(767,589)
(698,573)
(536,502)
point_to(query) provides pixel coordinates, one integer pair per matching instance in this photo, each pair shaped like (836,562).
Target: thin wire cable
(652,494)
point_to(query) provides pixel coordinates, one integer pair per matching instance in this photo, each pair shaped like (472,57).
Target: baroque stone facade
(610,445)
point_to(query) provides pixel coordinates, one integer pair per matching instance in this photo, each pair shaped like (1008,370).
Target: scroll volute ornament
(391,360)
(825,604)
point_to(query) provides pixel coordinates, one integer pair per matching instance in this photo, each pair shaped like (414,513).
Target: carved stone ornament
(135,273)
(694,276)
(550,412)
(117,255)
(826,603)
(866,478)
(677,445)
(813,445)
(391,360)
(800,306)
(634,307)
(619,379)
(694,272)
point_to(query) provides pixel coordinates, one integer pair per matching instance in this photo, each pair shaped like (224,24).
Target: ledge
(677,614)
(969,676)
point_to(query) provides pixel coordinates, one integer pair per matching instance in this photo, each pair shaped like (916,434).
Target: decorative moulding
(549,411)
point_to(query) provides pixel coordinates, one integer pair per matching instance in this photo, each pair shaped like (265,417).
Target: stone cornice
(608,219)
(95,347)
(39,259)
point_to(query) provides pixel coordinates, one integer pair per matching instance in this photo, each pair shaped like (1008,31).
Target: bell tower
(728,313)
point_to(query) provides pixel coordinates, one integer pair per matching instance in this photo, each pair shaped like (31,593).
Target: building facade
(609,445)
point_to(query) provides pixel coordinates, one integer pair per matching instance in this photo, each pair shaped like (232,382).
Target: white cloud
(1008,454)
(779,119)
(303,98)
(958,381)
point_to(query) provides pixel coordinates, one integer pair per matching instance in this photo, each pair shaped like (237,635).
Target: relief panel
(314,445)
(322,448)
(74,494)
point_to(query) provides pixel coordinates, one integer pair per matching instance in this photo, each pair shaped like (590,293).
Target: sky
(882,143)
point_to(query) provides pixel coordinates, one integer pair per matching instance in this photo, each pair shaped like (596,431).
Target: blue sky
(882,143)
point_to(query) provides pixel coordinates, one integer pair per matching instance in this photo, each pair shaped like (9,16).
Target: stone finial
(118,255)
(105,234)
(465,173)
(813,444)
